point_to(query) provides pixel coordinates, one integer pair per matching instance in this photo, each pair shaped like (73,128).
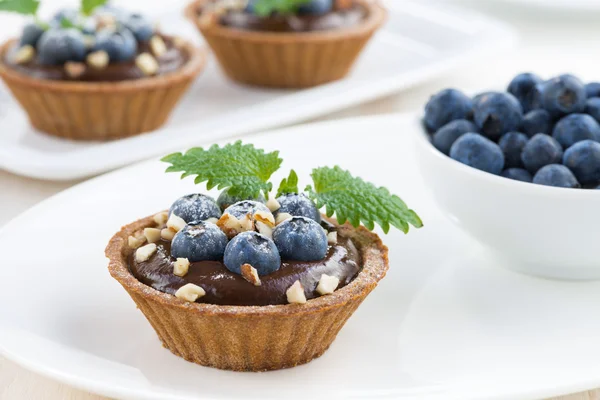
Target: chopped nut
(167,234)
(161,218)
(212,220)
(74,69)
(264,229)
(264,217)
(152,234)
(282,217)
(144,253)
(332,238)
(250,274)
(147,64)
(135,242)
(327,284)
(175,223)
(24,54)
(273,204)
(295,294)
(181,266)
(190,292)
(157,45)
(178,42)
(230,225)
(247,223)
(98,59)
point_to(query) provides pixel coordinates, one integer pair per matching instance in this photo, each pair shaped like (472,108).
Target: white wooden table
(551,44)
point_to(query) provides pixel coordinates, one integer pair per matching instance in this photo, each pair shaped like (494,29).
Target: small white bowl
(538,230)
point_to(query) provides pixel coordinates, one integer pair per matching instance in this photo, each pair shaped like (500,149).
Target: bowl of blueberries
(519,170)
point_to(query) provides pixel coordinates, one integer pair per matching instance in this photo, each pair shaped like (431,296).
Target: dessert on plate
(286,43)
(97,72)
(256,284)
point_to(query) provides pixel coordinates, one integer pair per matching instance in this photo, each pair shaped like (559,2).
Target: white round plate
(447,322)
(571,5)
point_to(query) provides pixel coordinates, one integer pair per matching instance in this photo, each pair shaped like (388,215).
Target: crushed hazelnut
(152,234)
(264,229)
(190,292)
(144,253)
(282,217)
(264,217)
(273,204)
(161,218)
(135,242)
(332,238)
(147,64)
(181,266)
(212,220)
(327,284)
(98,59)
(250,274)
(24,54)
(167,233)
(157,45)
(74,69)
(247,223)
(230,225)
(175,223)
(295,294)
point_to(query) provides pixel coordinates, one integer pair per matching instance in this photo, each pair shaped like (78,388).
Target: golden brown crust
(101,110)
(291,60)
(282,336)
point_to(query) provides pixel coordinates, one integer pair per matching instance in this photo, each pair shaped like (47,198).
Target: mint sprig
(289,184)
(25,7)
(264,8)
(242,168)
(88,6)
(354,200)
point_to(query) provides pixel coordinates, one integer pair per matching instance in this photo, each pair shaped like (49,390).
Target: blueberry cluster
(541,131)
(297,235)
(314,7)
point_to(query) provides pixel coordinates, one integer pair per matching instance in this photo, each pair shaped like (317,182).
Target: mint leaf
(66,23)
(88,6)
(265,8)
(354,200)
(289,184)
(240,167)
(27,7)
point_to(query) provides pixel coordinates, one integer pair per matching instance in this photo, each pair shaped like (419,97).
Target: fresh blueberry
(140,26)
(244,207)
(563,95)
(539,151)
(574,128)
(120,45)
(592,107)
(583,159)
(592,89)
(199,241)
(225,199)
(497,113)
(71,15)
(556,175)
(252,248)
(298,205)
(517,174)
(447,134)
(316,7)
(536,121)
(478,152)
(195,207)
(525,88)
(512,145)
(446,106)
(31,34)
(300,238)
(57,46)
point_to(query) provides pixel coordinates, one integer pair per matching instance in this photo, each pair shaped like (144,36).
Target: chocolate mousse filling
(172,60)
(223,287)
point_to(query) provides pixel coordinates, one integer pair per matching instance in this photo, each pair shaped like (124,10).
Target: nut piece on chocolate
(74,69)
(332,238)
(295,294)
(147,64)
(161,218)
(98,59)
(152,234)
(190,292)
(167,233)
(181,266)
(175,223)
(144,253)
(24,54)
(250,274)
(157,45)
(135,242)
(327,284)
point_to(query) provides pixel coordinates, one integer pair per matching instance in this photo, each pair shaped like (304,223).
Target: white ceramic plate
(571,5)
(417,43)
(446,323)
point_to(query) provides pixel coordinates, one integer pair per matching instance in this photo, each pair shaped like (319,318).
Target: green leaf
(240,167)
(289,184)
(88,6)
(354,200)
(265,8)
(67,23)
(27,7)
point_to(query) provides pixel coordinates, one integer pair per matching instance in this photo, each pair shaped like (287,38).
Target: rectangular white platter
(418,42)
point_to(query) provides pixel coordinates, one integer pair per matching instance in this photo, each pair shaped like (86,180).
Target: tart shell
(101,111)
(288,60)
(249,338)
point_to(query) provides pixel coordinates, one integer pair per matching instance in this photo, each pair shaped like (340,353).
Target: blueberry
(446,106)
(478,152)
(298,205)
(575,128)
(31,34)
(195,207)
(536,121)
(497,113)
(517,174)
(140,26)
(301,239)
(592,89)
(316,7)
(241,208)
(592,107)
(225,199)
(556,175)
(512,145)
(539,151)
(447,134)
(199,241)
(252,248)
(120,45)
(71,15)
(562,95)
(525,88)
(57,46)
(583,159)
